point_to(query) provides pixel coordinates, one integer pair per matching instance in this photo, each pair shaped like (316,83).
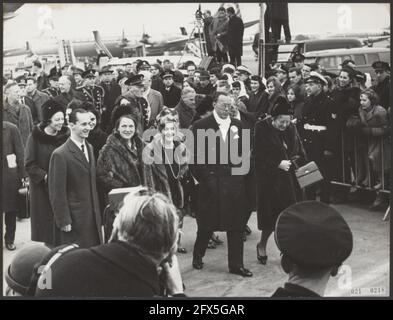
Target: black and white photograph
(196,150)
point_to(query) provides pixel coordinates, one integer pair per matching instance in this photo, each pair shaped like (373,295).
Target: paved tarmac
(368,264)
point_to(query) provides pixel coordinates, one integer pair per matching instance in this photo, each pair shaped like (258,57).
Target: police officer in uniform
(132,102)
(314,241)
(382,88)
(92,93)
(78,77)
(319,131)
(112,91)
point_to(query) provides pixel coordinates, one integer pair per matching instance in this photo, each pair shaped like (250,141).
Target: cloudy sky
(77,21)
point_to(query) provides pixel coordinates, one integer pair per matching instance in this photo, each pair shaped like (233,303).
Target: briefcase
(23,201)
(308,175)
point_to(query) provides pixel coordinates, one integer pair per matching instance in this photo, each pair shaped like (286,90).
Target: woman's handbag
(308,175)
(23,201)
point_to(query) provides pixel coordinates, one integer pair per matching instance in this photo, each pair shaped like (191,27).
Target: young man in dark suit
(72,186)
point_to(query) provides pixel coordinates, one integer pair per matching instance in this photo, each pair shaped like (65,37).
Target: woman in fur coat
(169,159)
(120,162)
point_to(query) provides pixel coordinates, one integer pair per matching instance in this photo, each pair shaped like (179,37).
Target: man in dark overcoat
(72,186)
(13,172)
(248,121)
(112,91)
(382,87)
(170,92)
(235,37)
(319,132)
(222,199)
(16,112)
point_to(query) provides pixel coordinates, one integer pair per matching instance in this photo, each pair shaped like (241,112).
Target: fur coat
(153,156)
(119,166)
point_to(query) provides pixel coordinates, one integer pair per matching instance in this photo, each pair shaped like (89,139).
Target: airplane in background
(121,47)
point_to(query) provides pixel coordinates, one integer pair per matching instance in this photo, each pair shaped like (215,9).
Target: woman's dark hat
(281,107)
(49,108)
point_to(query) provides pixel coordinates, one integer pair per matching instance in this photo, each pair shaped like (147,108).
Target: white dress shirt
(224,124)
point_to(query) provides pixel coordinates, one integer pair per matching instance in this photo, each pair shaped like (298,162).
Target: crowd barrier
(367,159)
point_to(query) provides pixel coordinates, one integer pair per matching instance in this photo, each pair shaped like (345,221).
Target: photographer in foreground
(138,261)
(314,241)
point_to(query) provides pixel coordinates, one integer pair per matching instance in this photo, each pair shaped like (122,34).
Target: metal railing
(355,152)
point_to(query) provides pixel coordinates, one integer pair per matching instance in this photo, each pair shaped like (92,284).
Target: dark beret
(313,234)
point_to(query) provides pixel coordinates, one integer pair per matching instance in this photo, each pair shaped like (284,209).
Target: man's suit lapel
(213,123)
(78,154)
(91,155)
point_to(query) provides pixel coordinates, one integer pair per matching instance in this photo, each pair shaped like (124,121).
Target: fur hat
(49,108)
(281,107)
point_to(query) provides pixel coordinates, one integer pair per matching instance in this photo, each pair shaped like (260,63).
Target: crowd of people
(78,134)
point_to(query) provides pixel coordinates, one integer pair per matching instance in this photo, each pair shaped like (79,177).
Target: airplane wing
(10,10)
(250,23)
(371,40)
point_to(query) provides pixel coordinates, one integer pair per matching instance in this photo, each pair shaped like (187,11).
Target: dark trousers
(221,56)
(235,246)
(235,59)
(276,29)
(10,226)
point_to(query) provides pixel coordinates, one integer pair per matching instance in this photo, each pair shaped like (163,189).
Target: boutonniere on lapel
(235,131)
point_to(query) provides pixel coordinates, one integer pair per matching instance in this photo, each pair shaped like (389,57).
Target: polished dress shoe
(10,246)
(261,259)
(247,230)
(197,264)
(216,239)
(211,244)
(181,250)
(241,272)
